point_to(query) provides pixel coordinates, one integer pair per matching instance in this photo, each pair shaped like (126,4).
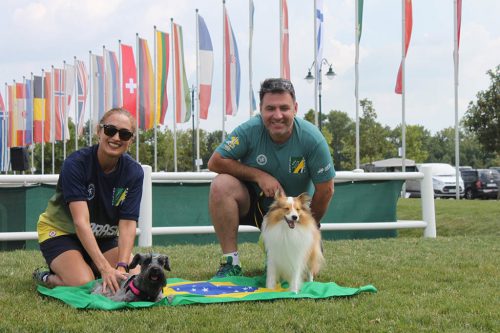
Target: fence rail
(146,230)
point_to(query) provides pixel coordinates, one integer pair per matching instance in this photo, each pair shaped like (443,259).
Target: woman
(97,198)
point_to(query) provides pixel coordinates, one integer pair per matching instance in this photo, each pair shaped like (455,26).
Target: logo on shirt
(90,192)
(104,230)
(326,168)
(297,164)
(261,159)
(119,195)
(231,143)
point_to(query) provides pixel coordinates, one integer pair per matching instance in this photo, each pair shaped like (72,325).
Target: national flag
(112,81)
(97,72)
(61,131)
(231,69)
(69,87)
(181,87)
(48,117)
(407,34)
(285,57)
(129,77)
(4,128)
(28,132)
(206,63)
(20,114)
(81,94)
(38,101)
(146,87)
(459,20)
(319,38)
(13,120)
(162,61)
(360,20)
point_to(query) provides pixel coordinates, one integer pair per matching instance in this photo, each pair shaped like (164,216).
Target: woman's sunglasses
(110,130)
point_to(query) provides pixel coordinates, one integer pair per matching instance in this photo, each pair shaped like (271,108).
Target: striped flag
(81,94)
(407,34)
(47,123)
(12,107)
(146,87)
(112,80)
(28,132)
(4,126)
(20,113)
(181,87)
(129,77)
(162,60)
(284,40)
(68,87)
(231,69)
(97,72)
(61,129)
(319,38)
(206,63)
(38,101)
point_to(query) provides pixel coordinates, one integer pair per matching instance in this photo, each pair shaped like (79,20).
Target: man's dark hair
(276,86)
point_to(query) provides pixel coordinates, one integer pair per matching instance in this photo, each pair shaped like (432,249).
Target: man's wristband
(122,264)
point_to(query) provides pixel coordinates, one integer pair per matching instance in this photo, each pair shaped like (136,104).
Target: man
(272,151)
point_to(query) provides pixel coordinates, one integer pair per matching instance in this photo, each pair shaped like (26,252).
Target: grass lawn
(448,284)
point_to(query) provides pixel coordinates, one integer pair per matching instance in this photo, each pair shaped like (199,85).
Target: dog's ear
(278,194)
(305,199)
(136,260)
(166,263)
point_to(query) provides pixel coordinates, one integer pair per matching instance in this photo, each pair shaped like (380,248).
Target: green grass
(448,284)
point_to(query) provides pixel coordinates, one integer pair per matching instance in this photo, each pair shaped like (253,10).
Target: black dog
(145,286)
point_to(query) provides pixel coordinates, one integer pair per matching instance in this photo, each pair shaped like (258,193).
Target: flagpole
(52,118)
(281,36)
(76,102)
(224,83)
(156,97)
(43,122)
(315,65)
(137,112)
(32,121)
(455,67)
(120,72)
(174,90)
(91,88)
(198,92)
(250,35)
(356,75)
(403,93)
(62,103)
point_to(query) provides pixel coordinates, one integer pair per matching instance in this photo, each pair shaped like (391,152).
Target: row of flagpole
(180,89)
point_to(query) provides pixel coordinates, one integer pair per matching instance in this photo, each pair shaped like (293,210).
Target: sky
(37,34)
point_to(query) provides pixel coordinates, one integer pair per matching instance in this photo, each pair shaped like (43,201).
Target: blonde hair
(122,112)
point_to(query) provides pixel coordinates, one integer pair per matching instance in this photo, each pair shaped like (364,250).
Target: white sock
(234,255)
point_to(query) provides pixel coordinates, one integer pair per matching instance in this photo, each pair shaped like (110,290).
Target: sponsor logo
(261,159)
(231,143)
(324,169)
(297,164)
(90,192)
(52,233)
(100,230)
(119,196)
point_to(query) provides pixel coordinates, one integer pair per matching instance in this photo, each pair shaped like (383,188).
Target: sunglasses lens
(123,133)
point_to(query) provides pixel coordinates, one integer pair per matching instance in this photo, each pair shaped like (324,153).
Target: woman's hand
(111,278)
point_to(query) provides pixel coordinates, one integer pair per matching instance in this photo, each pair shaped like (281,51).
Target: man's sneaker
(40,276)
(227,268)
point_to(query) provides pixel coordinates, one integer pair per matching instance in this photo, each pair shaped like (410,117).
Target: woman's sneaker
(227,268)
(40,276)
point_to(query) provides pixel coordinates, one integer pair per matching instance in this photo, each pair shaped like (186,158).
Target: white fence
(146,230)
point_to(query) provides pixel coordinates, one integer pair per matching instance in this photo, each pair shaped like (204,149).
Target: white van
(443,181)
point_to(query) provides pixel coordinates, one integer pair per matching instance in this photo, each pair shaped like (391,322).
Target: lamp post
(310,78)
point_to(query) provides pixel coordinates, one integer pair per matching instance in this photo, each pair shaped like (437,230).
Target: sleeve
(129,209)
(235,145)
(320,163)
(72,180)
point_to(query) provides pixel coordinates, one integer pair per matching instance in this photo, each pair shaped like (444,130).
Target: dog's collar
(131,286)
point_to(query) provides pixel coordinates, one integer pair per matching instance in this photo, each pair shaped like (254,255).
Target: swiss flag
(129,83)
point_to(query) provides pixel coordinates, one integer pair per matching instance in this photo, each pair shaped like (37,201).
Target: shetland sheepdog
(292,242)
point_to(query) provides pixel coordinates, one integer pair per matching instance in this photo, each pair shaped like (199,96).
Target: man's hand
(269,185)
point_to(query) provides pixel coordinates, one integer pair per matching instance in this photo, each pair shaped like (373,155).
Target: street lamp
(310,78)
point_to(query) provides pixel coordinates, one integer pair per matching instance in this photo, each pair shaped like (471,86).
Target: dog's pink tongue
(154,277)
(291,223)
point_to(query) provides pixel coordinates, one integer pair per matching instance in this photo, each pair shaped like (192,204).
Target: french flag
(232,69)
(206,61)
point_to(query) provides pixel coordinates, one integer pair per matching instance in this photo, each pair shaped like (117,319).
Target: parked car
(443,181)
(481,183)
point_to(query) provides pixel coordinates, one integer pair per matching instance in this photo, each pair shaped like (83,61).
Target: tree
(483,116)
(373,136)
(417,138)
(343,141)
